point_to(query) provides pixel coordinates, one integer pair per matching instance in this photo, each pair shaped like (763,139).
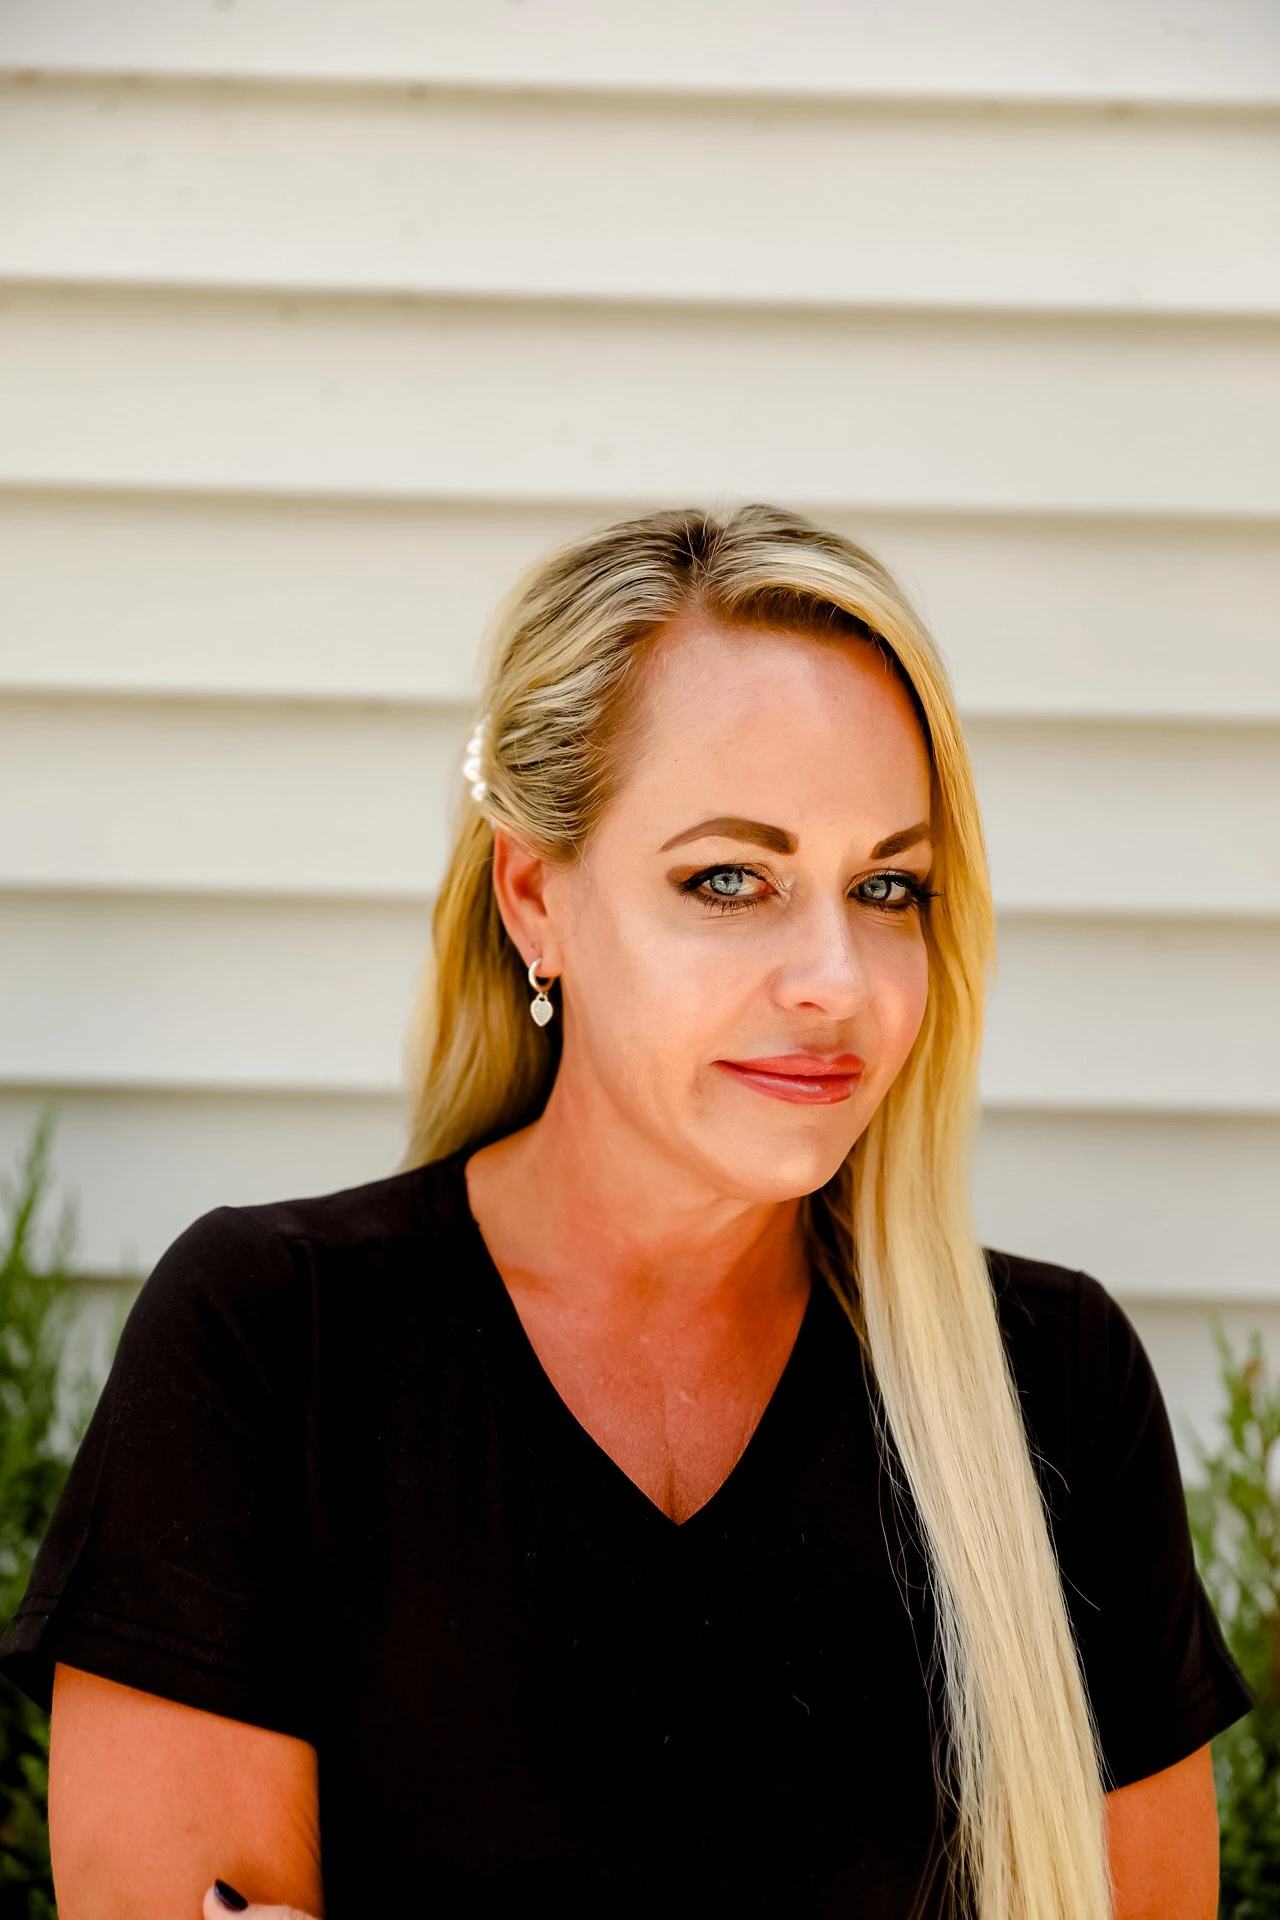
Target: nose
(824,970)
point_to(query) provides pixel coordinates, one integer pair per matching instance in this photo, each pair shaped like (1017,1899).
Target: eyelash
(918,892)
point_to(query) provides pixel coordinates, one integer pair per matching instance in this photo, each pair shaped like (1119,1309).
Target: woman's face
(741,949)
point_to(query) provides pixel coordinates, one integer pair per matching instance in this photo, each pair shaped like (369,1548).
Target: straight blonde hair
(1017,1762)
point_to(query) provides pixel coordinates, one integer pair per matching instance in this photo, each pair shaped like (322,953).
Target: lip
(805,1079)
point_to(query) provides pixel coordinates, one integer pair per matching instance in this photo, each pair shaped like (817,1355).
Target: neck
(582,1206)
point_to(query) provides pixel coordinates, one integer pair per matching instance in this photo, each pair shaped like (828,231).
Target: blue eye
(733,889)
(727,889)
(916,891)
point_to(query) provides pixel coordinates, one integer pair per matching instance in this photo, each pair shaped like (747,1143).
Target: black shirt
(329,1489)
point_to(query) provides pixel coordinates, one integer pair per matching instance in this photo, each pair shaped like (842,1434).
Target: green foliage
(1235,1522)
(42,1417)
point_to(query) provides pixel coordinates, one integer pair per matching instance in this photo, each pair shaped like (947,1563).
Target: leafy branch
(1235,1524)
(42,1417)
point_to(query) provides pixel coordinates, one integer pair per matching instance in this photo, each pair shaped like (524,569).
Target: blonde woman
(653,1500)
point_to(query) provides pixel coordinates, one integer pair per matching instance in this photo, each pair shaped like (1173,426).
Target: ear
(520,882)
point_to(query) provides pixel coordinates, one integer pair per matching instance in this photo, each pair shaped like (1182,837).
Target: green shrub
(1235,1522)
(42,1418)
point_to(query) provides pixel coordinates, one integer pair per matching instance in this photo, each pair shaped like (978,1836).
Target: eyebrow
(727,827)
(897,842)
(778,840)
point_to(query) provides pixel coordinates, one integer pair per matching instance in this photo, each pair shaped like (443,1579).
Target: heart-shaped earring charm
(540,1008)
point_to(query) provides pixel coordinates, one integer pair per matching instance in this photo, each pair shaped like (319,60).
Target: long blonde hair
(1017,1761)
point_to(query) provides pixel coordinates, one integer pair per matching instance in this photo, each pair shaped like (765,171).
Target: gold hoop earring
(540,1007)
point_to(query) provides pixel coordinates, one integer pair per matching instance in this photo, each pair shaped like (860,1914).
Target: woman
(654,1499)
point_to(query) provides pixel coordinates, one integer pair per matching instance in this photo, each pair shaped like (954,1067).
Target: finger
(222,1900)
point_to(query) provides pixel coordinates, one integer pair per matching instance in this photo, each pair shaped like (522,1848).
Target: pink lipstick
(808,1079)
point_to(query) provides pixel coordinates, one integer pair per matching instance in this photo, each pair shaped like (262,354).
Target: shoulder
(1078,1363)
(1046,1311)
(400,1208)
(1160,1677)
(269,1242)
(254,1272)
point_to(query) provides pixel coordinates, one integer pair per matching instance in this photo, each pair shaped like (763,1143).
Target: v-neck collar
(782,1437)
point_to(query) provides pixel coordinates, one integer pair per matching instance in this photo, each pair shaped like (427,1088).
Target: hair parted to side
(893,1233)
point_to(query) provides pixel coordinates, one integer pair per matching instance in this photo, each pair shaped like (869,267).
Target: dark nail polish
(229,1897)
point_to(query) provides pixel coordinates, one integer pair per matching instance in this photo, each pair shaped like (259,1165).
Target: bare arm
(150,1801)
(1163,1834)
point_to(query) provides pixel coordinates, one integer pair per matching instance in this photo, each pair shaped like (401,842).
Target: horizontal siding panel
(1158,1207)
(1179,1341)
(1183,820)
(292,996)
(355,801)
(438,192)
(316,598)
(281,996)
(1146,619)
(356,599)
(1202,49)
(1171,1217)
(546,402)
(141,1166)
(206,796)
(1092,1014)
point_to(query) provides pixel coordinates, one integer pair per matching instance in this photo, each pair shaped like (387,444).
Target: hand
(221,1900)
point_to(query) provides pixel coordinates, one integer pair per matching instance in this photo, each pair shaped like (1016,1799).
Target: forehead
(737,716)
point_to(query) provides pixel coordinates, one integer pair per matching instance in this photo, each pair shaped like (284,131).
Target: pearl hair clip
(471,765)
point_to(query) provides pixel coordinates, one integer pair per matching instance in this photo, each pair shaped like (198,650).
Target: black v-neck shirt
(330,1490)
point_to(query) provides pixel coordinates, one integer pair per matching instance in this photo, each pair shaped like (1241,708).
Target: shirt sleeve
(175,1559)
(1159,1675)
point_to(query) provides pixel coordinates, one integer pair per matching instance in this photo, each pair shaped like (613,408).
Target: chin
(770,1170)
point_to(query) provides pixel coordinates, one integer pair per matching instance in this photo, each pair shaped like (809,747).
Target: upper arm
(177,1559)
(169,1617)
(150,1800)
(1161,1679)
(168,1620)
(1163,1839)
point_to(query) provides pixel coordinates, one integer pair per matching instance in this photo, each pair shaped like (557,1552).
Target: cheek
(629,991)
(650,1001)
(901,994)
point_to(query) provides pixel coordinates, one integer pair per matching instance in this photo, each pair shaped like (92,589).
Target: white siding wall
(317,321)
